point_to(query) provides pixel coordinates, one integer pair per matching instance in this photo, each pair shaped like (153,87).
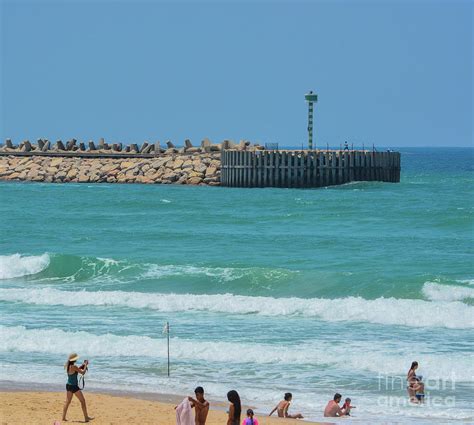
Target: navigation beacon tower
(310,98)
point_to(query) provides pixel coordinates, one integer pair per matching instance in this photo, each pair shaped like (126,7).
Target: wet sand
(38,408)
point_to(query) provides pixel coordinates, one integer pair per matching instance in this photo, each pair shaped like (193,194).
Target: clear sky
(392,73)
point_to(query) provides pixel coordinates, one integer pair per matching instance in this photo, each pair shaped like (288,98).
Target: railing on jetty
(307,168)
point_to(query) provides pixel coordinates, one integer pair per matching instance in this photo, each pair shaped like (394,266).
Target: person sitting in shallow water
(332,409)
(283,406)
(346,407)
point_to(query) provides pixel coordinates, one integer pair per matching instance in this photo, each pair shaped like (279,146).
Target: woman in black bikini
(72,386)
(415,386)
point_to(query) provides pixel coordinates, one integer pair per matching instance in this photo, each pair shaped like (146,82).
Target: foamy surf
(357,356)
(18,265)
(437,292)
(384,311)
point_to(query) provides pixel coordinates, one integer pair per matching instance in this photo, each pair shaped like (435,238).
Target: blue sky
(392,73)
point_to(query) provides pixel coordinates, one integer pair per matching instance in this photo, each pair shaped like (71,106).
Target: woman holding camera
(72,386)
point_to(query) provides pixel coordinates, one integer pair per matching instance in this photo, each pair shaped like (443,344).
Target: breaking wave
(18,265)
(385,311)
(353,355)
(436,292)
(73,268)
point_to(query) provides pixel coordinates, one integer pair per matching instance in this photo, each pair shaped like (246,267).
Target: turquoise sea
(266,290)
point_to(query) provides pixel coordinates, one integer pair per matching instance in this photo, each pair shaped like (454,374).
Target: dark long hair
(233,397)
(413,364)
(69,364)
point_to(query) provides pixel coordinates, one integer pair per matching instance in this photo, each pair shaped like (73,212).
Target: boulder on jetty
(194,169)
(147,163)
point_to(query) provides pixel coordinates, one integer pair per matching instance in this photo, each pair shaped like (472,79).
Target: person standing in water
(72,386)
(282,408)
(235,408)
(416,388)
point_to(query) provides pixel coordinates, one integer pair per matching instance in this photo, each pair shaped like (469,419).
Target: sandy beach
(43,408)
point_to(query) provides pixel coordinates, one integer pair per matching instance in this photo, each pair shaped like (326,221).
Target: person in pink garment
(347,407)
(250,419)
(332,409)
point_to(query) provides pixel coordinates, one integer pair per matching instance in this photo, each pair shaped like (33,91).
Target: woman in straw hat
(72,386)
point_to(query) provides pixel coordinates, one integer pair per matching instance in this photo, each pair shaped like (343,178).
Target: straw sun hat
(72,358)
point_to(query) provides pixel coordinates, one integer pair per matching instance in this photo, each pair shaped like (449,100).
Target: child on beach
(250,419)
(283,406)
(346,407)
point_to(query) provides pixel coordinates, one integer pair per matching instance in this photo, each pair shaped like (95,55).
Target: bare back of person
(202,409)
(332,410)
(282,408)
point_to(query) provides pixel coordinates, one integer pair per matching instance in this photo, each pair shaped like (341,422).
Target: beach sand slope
(43,408)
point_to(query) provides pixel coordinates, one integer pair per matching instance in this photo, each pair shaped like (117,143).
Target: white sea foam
(262,394)
(386,311)
(355,356)
(468,281)
(223,274)
(18,265)
(436,292)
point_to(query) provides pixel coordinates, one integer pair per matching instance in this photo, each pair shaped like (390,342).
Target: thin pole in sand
(168,333)
(166,330)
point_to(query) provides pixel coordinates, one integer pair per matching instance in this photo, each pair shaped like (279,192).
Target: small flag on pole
(166,328)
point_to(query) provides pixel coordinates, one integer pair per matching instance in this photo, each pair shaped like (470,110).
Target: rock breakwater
(116,163)
(192,169)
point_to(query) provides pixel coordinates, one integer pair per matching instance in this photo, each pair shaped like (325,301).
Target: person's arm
(273,411)
(197,402)
(285,410)
(230,419)
(82,369)
(340,412)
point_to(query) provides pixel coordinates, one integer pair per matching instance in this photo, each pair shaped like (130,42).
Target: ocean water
(266,290)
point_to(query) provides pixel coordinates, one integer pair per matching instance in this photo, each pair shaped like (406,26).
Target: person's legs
(81,398)
(297,416)
(412,395)
(66,404)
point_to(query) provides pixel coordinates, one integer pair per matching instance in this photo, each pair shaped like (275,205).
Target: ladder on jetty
(299,169)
